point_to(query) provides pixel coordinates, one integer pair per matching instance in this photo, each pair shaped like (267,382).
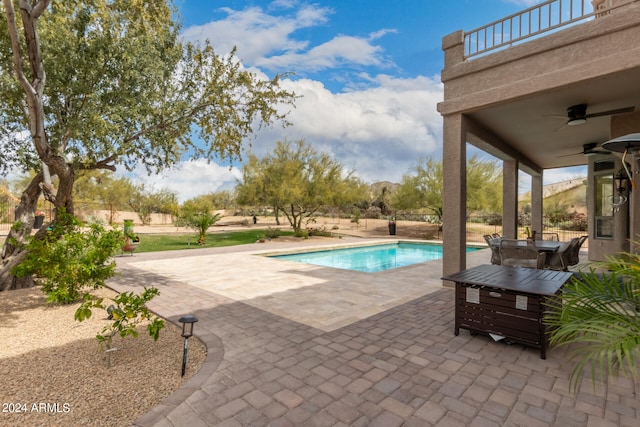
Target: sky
(368,73)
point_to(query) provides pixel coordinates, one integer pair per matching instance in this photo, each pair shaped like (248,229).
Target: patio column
(454,167)
(536,203)
(634,210)
(510,198)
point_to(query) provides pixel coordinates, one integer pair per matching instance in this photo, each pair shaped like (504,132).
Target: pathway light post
(187,331)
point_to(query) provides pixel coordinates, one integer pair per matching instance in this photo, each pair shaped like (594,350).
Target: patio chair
(574,256)
(495,251)
(560,259)
(553,237)
(496,235)
(515,253)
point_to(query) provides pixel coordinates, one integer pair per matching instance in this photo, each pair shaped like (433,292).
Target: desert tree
(297,181)
(421,188)
(100,84)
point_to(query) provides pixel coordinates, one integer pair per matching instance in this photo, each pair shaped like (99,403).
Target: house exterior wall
(591,50)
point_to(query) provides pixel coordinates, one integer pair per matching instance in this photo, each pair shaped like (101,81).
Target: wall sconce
(621,182)
(187,331)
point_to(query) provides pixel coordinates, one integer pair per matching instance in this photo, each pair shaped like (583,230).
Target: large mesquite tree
(120,89)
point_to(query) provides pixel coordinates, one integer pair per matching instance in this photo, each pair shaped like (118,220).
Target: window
(604,206)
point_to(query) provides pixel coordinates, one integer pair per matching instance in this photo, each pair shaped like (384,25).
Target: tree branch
(102,164)
(38,8)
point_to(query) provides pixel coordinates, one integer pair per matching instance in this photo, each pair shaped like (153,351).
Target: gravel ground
(52,371)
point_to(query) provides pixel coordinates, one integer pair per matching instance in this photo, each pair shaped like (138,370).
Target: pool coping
(292,251)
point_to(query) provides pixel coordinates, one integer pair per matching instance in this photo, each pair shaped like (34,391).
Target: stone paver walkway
(401,366)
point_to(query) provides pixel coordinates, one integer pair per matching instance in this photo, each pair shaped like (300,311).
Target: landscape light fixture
(187,331)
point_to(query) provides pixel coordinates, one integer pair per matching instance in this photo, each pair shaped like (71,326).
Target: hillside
(572,193)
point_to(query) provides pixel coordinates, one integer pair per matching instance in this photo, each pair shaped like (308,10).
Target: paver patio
(310,346)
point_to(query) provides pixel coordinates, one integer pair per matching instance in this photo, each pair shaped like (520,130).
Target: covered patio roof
(513,102)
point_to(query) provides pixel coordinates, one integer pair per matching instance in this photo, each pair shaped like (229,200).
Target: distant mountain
(572,193)
(376,187)
(558,187)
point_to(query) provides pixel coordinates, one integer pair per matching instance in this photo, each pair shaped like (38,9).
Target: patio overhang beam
(482,138)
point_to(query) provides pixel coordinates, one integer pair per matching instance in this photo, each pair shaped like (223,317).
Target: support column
(536,203)
(454,167)
(510,198)
(634,208)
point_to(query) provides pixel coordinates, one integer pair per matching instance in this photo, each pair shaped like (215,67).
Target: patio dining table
(547,246)
(543,245)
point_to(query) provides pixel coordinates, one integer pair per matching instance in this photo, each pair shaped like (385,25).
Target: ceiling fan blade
(588,149)
(569,155)
(611,112)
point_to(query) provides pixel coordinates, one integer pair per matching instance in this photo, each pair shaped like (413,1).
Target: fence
(7,213)
(86,212)
(567,227)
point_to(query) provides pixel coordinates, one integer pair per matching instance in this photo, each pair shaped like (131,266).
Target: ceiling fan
(590,149)
(577,114)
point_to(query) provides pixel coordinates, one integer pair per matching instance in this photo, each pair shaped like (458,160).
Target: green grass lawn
(170,242)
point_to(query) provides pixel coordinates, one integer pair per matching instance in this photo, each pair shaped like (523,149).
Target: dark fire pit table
(506,301)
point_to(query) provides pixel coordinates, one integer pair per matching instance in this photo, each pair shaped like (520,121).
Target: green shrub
(127,312)
(321,231)
(70,259)
(599,313)
(302,233)
(201,222)
(272,233)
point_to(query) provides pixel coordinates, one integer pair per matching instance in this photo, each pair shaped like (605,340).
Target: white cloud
(336,52)
(189,179)
(268,40)
(380,131)
(257,34)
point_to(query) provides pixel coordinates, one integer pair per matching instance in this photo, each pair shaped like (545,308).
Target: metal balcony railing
(543,18)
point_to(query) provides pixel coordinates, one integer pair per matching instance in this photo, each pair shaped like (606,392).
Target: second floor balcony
(537,21)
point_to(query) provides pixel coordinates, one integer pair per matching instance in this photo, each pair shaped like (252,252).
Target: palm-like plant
(201,221)
(600,313)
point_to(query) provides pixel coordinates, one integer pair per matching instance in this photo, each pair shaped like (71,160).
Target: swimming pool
(371,259)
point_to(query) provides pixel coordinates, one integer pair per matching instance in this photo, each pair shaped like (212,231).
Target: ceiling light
(576,121)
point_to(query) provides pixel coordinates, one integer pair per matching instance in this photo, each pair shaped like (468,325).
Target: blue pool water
(371,259)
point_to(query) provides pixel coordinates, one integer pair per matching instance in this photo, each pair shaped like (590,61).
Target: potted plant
(39,219)
(131,240)
(600,313)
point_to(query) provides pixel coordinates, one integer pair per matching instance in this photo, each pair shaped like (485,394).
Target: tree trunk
(13,251)
(275,209)
(53,163)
